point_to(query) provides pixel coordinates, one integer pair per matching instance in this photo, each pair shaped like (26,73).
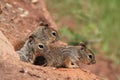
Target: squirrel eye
(90,56)
(40,46)
(53,33)
(82,48)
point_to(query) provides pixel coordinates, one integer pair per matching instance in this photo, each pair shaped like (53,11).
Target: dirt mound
(12,68)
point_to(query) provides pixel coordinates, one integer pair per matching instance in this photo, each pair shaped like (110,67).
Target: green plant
(93,19)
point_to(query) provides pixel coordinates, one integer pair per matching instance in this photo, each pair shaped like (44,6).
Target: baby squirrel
(44,34)
(33,47)
(68,56)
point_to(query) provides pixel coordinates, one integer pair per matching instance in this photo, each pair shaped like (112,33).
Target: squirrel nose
(93,62)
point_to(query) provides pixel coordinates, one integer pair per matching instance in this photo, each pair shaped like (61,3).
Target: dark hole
(40,60)
(72,64)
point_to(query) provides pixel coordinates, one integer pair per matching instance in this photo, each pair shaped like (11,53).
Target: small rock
(54,68)
(24,14)
(8,5)
(34,1)
(20,9)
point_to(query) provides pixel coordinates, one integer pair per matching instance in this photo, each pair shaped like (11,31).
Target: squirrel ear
(43,23)
(32,38)
(82,44)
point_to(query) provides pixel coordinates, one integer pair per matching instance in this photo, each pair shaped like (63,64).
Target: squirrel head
(45,32)
(86,55)
(51,33)
(37,45)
